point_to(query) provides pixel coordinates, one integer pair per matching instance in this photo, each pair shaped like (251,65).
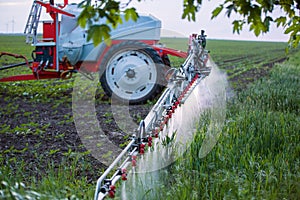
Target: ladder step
(32,22)
(45,44)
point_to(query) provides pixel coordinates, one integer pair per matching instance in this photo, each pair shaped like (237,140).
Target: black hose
(14,65)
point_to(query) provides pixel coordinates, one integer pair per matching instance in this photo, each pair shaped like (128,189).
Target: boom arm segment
(181,84)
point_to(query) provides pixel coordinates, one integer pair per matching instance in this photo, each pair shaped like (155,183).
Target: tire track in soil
(245,78)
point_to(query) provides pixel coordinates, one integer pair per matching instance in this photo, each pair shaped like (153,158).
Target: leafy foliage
(110,10)
(257,14)
(190,9)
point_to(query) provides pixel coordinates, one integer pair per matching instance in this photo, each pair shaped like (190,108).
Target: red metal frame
(50,8)
(28,77)
(168,51)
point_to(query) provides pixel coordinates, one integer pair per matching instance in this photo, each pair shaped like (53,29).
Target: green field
(258,153)
(256,157)
(246,59)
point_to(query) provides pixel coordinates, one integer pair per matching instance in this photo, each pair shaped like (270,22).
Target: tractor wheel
(133,72)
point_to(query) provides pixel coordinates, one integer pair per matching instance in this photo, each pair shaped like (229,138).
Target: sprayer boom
(181,83)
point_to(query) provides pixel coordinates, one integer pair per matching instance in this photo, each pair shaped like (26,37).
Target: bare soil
(48,134)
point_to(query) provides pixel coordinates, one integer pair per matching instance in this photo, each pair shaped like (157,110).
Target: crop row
(257,155)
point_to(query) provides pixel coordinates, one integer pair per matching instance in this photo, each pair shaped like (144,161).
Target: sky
(14,14)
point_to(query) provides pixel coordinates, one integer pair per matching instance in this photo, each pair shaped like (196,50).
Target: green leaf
(83,3)
(217,11)
(254,15)
(130,13)
(101,13)
(189,11)
(281,21)
(81,22)
(82,18)
(112,5)
(99,33)
(296,41)
(257,27)
(237,26)
(266,23)
(114,19)
(292,28)
(230,8)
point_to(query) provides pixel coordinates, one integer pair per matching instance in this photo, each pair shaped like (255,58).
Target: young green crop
(257,156)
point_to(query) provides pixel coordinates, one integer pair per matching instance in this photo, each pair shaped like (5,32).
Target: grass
(257,155)
(14,44)
(230,51)
(56,182)
(243,60)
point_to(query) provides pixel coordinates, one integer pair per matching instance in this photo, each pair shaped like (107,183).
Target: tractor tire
(132,72)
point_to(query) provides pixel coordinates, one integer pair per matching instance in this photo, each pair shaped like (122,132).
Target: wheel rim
(131,75)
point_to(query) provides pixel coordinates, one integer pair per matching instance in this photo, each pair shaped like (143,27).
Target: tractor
(133,68)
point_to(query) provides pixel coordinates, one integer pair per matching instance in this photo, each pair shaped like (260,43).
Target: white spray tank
(73,38)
